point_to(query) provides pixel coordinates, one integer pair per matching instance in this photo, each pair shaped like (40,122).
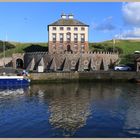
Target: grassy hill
(125,47)
(18,47)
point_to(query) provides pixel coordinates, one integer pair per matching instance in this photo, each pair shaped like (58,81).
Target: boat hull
(14,82)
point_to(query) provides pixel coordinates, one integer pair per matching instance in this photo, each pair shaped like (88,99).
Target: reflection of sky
(75,108)
(71,110)
(132,122)
(11,92)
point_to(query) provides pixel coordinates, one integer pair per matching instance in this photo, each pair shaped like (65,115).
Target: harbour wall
(7,60)
(85,76)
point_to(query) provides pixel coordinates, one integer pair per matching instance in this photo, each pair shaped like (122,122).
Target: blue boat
(13,81)
(9,81)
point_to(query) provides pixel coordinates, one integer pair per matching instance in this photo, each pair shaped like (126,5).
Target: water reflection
(71,110)
(132,121)
(8,92)
(70,105)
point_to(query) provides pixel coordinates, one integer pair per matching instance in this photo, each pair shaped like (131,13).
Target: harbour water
(79,110)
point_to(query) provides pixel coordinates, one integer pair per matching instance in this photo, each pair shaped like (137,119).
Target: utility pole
(4,47)
(113,44)
(3,54)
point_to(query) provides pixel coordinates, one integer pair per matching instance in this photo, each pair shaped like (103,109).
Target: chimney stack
(70,16)
(63,16)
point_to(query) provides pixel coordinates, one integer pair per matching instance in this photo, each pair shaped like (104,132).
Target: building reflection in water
(70,105)
(68,110)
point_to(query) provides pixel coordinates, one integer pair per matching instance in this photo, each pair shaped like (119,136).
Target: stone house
(68,34)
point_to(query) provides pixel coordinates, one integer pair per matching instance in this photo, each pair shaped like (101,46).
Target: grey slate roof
(68,22)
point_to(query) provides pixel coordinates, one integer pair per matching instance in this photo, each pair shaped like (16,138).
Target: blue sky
(27,21)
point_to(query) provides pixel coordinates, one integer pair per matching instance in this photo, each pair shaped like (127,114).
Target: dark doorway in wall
(19,63)
(102,65)
(68,48)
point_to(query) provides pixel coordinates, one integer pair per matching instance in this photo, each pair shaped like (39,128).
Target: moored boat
(14,81)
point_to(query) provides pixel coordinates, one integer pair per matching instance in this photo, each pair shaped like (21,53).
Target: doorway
(68,48)
(19,63)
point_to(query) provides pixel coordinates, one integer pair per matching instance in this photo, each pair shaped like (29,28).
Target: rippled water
(71,110)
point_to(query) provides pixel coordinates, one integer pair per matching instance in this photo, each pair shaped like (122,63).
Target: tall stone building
(68,35)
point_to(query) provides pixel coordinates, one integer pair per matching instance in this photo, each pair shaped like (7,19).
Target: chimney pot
(63,16)
(70,16)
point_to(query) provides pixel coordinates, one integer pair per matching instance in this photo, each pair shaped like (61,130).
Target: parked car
(122,68)
(137,52)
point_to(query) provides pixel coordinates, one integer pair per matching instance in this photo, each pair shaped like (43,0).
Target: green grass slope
(19,48)
(127,46)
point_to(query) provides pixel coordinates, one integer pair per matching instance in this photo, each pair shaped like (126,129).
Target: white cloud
(131,13)
(106,25)
(131,16)
(133,33)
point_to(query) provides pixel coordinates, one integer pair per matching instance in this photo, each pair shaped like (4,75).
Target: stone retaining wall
(7,60)
(54,76)
(97,75)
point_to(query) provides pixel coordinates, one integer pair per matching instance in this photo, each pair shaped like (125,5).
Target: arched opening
(68,48)
(19,63)
(102,65)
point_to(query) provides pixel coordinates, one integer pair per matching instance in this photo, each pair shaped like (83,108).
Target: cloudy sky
(27,22)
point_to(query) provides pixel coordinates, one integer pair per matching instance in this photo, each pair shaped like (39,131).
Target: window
(54,47)
(61,38)
(54,28)
(54,37)
(82,38)
(82,48)
(61,28)
(75,38)
(68,37)
(76,47)
(82,28)
(75,29)
(68,28)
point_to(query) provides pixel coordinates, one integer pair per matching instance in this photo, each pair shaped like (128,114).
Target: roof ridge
(68,22)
